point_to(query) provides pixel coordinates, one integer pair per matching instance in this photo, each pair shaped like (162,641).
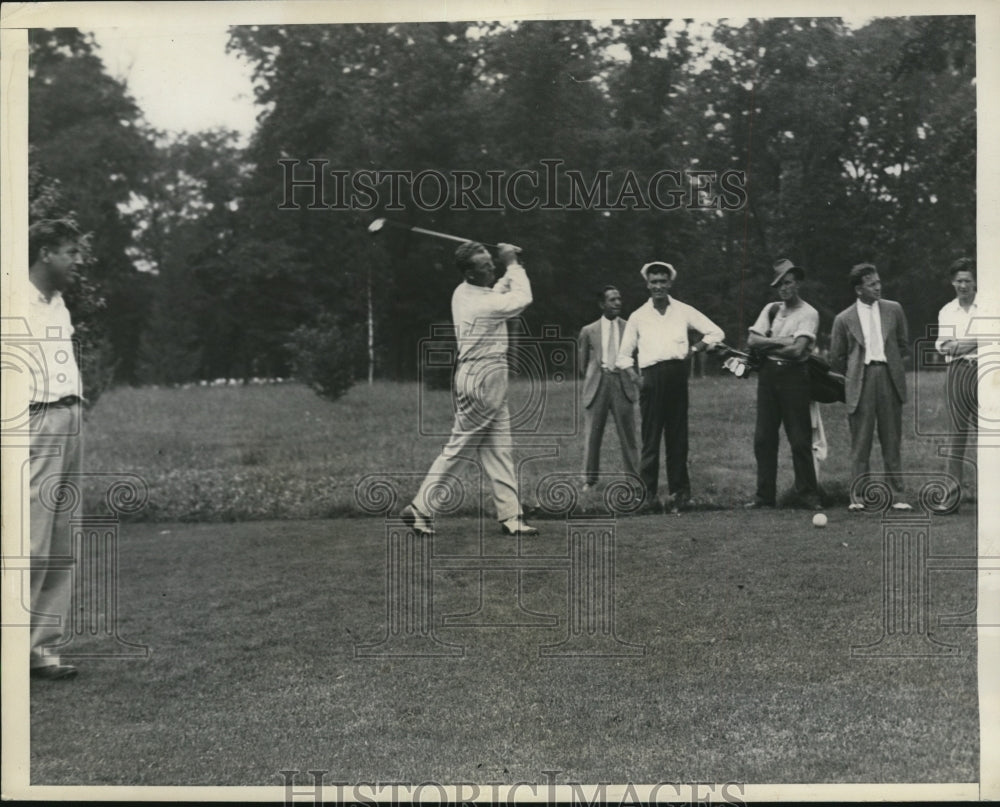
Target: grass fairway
(275,452)
(746,620)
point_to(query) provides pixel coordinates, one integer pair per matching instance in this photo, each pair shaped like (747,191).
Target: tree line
(852,145)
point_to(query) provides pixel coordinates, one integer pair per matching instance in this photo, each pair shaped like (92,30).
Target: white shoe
(855,507)
(516,526)
(420,523)
(901,506)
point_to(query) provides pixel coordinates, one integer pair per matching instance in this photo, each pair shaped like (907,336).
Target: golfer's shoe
(420,523)
(901,506)
(53,672)
(855,507)
(516,526)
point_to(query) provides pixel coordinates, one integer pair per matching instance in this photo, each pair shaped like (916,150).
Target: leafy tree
(87,136)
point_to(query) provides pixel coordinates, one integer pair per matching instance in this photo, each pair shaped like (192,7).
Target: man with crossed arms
(606,388)
(658,329)
(958,344)
(480,312)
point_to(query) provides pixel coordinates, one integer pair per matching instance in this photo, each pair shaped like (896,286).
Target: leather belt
(65,401)
(878,364)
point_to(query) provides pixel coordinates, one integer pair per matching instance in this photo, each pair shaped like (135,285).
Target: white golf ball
(819,520)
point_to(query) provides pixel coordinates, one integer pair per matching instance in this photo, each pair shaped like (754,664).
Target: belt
(65,401)
(610,370)
(786,362)
(878,364)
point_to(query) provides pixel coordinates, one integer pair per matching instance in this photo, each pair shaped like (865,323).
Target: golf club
(379,224)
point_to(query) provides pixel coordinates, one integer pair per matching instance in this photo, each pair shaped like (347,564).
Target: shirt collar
(40,296)
(867,305)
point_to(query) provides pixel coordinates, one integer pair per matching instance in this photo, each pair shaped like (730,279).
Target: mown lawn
(746,619)
(279,451)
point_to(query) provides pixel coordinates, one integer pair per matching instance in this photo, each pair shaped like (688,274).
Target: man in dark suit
(868,345)
(606,388)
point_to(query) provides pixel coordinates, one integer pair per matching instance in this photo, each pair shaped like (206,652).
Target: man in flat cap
(658,329)
(783,336)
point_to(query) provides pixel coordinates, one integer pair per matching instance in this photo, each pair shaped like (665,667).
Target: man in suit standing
(868,345)
(606,388)
(659,331)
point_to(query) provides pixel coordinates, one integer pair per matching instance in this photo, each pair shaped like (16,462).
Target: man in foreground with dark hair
(957,343)
(480,312)
(659,331)
(783,336)
(55,398)
(606,388)
(868,345)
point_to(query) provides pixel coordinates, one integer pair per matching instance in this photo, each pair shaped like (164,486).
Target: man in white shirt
(957,343)
(606,388)
(658,330)
(481,430)
(783,336)
(54,455)
(868,346)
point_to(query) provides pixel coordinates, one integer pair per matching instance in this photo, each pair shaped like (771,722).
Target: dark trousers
(663,403)
(963,407)
(609,397)
(878,408)
(783,398)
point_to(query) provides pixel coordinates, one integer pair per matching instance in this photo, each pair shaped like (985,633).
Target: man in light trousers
(480,311)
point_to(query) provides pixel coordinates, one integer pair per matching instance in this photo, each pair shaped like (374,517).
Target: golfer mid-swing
(480,311)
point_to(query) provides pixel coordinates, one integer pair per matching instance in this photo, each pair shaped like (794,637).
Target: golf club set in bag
(825,386)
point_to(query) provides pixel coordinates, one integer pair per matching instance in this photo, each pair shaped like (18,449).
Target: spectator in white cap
(659,331)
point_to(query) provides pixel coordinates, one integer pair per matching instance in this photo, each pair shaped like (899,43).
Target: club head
(376,225)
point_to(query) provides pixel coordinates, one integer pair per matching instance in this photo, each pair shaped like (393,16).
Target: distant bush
(324,355)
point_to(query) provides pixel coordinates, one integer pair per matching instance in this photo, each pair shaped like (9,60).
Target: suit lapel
(884,319)
(854,325)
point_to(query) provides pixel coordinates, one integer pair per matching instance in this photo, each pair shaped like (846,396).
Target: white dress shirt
(871,327)
(480,313)
(58,374)
(954,322)
(663,337)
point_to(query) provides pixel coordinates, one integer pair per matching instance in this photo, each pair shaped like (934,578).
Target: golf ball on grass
(819,520)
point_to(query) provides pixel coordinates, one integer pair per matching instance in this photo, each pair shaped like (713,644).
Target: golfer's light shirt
(874,341)
(480,314)
(56,375)
(663,337)
(955,323)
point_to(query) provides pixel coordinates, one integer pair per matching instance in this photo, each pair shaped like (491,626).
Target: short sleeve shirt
(803,320)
